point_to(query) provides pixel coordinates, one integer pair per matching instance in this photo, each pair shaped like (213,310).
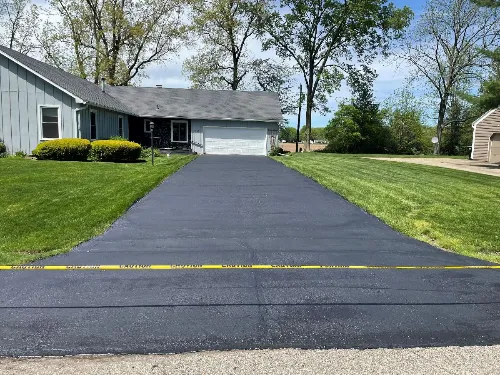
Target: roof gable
(484,116)
(82,90)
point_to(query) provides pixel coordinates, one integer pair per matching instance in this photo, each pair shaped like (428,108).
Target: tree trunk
(309,107)
(440,124)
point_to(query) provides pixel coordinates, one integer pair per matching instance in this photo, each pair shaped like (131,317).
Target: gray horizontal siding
(197,130)
(21,92)
(107,123)
(482,134)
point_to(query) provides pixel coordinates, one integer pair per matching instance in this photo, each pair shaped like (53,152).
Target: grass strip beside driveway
(454,210)
(48,207)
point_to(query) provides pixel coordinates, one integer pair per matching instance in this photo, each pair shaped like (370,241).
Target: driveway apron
(247,210)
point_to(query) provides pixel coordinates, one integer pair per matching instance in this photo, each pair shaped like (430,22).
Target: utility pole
(298,120)
(151,128)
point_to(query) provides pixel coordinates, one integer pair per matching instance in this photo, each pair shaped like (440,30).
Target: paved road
(247,210)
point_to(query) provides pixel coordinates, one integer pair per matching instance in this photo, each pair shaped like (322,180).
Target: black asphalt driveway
(248,210)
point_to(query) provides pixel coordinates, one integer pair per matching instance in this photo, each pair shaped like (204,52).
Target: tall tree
(404,117)
(269,75)
(489,92)
(369,117)
(324,37)
(18,23)
(225,28)
(114,39)
(358,126)
(342,132)
(457,135)
(444,49)
(488,96)
(228,33)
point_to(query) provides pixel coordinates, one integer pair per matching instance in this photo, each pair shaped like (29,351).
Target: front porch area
(170,136)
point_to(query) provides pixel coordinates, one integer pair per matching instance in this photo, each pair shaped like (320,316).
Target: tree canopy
(444,49)
(113,39)
(18,23)
(223,59)
(323,37)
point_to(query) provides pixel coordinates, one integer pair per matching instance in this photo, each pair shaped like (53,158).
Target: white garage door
(235,141)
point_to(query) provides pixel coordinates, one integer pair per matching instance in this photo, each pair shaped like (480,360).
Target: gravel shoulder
(444,360)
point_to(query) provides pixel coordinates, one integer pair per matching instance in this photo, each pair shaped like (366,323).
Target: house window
(179,131)
(147,127)
(120,126)
(49,122)
(93,125)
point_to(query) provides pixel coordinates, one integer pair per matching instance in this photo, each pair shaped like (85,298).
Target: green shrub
(20,154)
(3,150)
(118,138)
(276,151)
(115,151)
(75,149)
(146,153)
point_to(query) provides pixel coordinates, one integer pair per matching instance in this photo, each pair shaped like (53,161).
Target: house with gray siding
(40,102)
(486,137)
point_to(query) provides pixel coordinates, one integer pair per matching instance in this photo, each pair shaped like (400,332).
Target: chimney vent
(103,82)
(159,86)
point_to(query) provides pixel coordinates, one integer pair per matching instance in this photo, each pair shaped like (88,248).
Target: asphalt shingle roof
(85,90)
(200,104)
(161,102)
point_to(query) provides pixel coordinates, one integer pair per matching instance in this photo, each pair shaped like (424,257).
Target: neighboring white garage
(235,141)
(486,138)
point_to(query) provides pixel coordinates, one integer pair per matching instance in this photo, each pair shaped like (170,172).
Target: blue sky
(390,76)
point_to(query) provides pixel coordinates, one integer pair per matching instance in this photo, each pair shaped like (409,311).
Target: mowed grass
(48,207)
(455,210)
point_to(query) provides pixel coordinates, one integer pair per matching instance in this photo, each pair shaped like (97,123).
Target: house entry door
(163,133)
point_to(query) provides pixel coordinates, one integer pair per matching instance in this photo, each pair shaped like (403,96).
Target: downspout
(473,141)
(75,120)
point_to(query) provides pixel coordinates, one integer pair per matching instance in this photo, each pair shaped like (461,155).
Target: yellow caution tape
(141,267)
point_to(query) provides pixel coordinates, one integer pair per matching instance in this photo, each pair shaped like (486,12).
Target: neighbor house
(40,102)
(486,137)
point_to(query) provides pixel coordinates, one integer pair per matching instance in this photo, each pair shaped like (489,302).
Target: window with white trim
(179,131)
(147,127)
(120,126)
(93,125)
(49,122)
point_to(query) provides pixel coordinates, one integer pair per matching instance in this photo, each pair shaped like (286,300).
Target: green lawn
(455,210)
(47,207)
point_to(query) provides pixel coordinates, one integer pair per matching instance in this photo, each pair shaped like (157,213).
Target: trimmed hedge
(71,149)
(112,150)
(3,149)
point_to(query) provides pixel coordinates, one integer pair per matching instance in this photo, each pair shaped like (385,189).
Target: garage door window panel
(179,131)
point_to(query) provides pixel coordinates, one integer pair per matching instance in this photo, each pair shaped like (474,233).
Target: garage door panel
(235,141)
(495,148)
